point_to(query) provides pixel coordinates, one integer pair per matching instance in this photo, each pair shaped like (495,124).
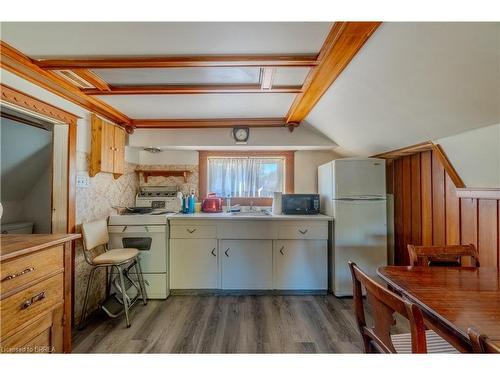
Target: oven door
(150,240)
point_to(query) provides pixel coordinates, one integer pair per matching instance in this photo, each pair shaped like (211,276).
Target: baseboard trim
(244,292)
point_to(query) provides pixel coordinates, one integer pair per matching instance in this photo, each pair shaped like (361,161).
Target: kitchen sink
(251,213)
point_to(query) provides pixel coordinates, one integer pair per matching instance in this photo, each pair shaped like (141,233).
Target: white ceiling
(414,82)
(165,38)
(202,106)
(411,82)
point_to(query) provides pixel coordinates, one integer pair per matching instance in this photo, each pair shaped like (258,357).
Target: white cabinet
(300,265)
(193,264)
(246,264)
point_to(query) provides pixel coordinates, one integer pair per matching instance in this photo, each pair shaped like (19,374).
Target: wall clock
(241,134)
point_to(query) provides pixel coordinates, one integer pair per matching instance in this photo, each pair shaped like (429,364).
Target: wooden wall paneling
(452,203)
(398,210)
(416,206)
(407,205)
(438,202)
(488,232)
(468,221)
(426,196)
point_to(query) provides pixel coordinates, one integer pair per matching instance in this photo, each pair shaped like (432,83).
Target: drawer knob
(32,300)
(191,230)
(14,275)
(303,231)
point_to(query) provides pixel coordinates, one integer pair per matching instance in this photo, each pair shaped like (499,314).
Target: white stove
(159,197)
(149,234)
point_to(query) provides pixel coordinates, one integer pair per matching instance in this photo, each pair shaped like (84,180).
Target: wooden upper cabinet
(107,153)
(119,151)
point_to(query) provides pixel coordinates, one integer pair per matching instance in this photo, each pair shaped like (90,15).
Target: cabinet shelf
(163,173)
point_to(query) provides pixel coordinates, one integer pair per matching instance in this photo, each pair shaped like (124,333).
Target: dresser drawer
(303,231)
(193,231)
(30,303)
(44,335)
(22,270)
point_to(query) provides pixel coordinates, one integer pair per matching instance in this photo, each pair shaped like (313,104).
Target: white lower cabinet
(300,265)
(246,264)
(193,264)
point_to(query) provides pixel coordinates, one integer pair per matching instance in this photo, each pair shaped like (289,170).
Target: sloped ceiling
(414,82)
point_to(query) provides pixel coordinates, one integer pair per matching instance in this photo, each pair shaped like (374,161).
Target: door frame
(15,98)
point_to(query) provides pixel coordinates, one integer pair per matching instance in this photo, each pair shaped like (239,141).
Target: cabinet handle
(14,275)
(191,230)
(303,231)
(225,252)
(32,300)
(281,250)
(213,252)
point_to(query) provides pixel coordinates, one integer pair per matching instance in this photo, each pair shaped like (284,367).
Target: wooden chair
(445,256)
(481,343)
(384,305)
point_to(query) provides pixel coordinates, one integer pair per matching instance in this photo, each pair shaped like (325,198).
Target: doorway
(33,186)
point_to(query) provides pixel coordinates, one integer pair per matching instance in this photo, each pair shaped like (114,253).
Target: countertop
(227,216)
(13,245)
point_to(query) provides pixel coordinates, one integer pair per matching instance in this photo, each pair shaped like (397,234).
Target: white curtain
(245,177)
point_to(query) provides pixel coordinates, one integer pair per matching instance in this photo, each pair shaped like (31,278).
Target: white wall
(306,169)
(303,137)
(413,82)
(476,156)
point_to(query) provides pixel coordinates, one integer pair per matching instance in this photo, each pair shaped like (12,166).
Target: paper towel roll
(276,210)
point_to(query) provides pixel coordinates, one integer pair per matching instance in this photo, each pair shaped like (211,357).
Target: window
(246,176)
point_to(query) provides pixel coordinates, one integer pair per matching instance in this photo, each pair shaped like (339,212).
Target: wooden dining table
(452,299)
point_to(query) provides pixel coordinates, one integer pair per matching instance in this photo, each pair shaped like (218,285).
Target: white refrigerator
(352,191)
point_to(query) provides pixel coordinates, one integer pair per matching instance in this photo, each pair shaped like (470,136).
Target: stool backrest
(94,233)
(481,343)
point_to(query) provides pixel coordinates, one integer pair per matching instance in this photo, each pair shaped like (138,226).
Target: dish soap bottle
(191,202)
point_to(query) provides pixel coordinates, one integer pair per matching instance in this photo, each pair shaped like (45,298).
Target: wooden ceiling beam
(341,45)
(269,122)
(191,89)
(92,78)
(21,65)
(309,60)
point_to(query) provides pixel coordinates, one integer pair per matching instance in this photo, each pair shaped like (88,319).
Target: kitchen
(215,187)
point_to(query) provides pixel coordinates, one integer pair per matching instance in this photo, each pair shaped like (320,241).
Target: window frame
(288,157)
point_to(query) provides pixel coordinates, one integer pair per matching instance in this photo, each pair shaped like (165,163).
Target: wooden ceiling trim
(308,60)
(448,167)
(405,151)
(341,45)
(92,78)
(21,65)
(208,123)
(191,89)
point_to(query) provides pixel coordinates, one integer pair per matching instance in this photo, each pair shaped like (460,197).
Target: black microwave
(300,204)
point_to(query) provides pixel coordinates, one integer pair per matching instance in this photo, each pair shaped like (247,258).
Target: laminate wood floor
(227,324)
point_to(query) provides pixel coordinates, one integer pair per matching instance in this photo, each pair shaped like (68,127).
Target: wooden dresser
(35,293)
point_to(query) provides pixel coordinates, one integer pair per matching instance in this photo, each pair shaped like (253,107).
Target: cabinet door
(119,151)
(300,264)
(193,264)
(246,264)
(107,147)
